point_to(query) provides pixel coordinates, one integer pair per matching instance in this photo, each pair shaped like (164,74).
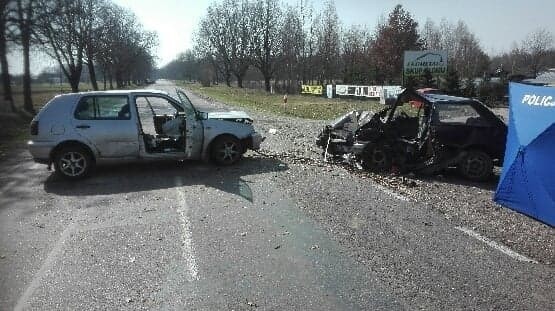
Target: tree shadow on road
(126,178)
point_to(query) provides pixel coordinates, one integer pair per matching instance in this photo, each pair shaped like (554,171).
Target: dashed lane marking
(502,248)
(186,235)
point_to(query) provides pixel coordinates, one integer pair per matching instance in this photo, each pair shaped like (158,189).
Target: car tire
(376,158)
(73,162)
(476,165)
(226,150)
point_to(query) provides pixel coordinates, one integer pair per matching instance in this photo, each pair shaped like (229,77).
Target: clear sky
(497,23)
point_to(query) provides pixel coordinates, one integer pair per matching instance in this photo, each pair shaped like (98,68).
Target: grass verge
(301,106)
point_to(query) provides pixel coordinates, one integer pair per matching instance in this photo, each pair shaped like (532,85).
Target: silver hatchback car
(77,131)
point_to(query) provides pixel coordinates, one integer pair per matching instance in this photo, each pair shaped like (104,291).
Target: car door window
(85,109)
(456,113)
(157,105)
(103,108)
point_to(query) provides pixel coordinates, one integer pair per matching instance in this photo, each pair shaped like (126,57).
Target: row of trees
(293,44)
(98,34)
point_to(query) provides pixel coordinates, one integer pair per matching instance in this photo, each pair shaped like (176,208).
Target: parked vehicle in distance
(77,131)
(438,133)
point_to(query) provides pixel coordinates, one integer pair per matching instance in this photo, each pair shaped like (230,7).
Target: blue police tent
(527,182)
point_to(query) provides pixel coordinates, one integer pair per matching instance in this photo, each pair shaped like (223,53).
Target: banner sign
(312,89)
(369,91)
(416,62)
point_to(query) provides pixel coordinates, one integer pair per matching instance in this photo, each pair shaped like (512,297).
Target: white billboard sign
(416,62)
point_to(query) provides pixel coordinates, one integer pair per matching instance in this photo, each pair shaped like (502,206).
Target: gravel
(464,203)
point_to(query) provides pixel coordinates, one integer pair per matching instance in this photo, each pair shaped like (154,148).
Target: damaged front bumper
(254,141)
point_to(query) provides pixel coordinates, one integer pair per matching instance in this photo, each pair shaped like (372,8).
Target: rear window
(104,107)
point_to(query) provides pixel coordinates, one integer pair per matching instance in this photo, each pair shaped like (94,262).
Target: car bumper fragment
(256,141)
(40,151)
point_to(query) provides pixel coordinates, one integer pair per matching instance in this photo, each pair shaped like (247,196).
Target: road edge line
(500,247)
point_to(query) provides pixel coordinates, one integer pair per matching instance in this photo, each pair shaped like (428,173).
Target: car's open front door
(195,130)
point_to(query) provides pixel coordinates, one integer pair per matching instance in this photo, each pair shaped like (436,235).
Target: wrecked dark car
(421,133)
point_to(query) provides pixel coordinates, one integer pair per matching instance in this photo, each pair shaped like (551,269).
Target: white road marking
(186,235)
(502,248)
(397,196)
(46,266)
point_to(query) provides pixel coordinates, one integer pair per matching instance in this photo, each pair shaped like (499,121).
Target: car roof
(445,99)
(126,92)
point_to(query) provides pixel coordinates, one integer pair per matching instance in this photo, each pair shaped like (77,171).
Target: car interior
(162,125)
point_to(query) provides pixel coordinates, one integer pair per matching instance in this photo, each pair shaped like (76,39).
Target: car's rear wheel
(476,165)
(226,150)
(73,162)
(376,158)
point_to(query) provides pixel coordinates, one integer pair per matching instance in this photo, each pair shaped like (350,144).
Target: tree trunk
(74,82)
(6,81)
(104,78)
(74,78)
(27,98)
(267,83)
(228,79)
(239,81)
(92,75)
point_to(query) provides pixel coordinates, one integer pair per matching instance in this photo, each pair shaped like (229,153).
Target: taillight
(34,127)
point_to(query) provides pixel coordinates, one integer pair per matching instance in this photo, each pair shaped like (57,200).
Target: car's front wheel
(226,150)
(476,165)
(376,158)
(73,162)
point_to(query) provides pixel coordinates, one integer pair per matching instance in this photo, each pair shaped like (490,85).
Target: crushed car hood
(235,116)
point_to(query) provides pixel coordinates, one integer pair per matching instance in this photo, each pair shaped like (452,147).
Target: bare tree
(292,38)
(356,63)
(240,39)
(25,18)
(5,6)
(63,30)
(266,17)
(431,36)
(215,37)
(310,31)
(465,53)
(328,42)
(536,47)
(93,37)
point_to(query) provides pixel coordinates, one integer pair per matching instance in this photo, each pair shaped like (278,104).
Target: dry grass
(302,106)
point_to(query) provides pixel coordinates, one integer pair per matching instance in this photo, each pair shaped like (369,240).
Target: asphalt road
(266,234)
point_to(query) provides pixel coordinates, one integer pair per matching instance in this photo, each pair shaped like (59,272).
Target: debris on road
(272,131)
(39,225)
